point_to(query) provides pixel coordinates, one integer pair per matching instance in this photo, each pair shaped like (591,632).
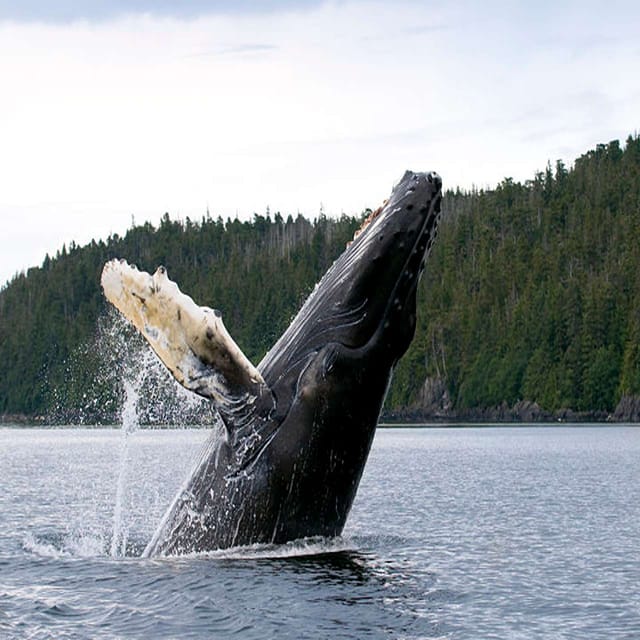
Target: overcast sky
(127,109)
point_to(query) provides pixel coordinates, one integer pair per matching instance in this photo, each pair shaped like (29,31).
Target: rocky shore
(433,404)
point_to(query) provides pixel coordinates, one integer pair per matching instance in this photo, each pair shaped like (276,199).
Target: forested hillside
(257,273)
(531,295)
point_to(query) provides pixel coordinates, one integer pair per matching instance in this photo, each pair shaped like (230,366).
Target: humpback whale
(295,431)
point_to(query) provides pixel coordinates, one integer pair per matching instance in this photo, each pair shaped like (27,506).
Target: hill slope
(532,295)
(52,319)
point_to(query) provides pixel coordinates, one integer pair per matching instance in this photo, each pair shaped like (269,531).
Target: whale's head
(366,302)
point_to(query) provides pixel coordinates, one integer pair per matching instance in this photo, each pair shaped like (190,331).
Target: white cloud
(142,115)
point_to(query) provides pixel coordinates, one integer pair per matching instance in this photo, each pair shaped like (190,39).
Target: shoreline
(383,424)
(524,412)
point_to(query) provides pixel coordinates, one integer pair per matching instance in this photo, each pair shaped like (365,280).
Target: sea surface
(458,533)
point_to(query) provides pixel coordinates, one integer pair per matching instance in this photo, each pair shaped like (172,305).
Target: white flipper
(191,341)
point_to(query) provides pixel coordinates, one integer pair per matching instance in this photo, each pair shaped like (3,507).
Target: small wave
(73,546)
(44,549)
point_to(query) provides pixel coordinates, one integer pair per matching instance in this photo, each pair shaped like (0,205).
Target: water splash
(117,379)
(130,425)
(70,546)
(151,395)
(93,389)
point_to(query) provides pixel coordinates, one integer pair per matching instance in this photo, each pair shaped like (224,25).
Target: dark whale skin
(287,464)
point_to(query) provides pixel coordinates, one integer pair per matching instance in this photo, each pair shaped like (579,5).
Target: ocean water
(478,533)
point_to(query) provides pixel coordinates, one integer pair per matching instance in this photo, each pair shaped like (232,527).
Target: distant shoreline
(437,424)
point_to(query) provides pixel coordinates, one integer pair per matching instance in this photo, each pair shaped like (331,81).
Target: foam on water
(87,545)
(303,547)
(72,546)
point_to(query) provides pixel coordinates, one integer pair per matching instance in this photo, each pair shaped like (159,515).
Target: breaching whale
(295,430)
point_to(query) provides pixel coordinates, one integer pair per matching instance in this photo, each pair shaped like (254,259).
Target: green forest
(529,305)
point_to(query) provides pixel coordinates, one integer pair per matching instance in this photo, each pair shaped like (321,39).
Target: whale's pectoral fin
(191,341)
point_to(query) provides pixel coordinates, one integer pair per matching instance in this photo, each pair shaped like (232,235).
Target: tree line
(532,293)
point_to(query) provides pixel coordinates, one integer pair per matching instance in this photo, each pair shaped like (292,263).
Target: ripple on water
(457,534)
(301,589)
